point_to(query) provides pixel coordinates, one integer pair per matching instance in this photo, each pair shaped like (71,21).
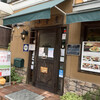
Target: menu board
(90,60)
(5,63)
(73,49)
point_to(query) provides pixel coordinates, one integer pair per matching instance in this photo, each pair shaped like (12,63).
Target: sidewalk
(14,88)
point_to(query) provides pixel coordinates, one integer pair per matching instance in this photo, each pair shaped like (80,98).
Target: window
(90,56)
(4,37)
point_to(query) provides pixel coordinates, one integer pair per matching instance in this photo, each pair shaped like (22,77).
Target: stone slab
(24,95)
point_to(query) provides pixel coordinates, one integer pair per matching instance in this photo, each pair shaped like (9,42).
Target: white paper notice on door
(51,52)
(62,52)
(61,59)
(32,66)
(63,36)
(31,47)
(41,51)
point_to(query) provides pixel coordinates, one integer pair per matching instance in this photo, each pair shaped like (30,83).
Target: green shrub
(15,76)
(95,95)
(71,96)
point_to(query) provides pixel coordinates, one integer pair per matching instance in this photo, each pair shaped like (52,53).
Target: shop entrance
(47,60)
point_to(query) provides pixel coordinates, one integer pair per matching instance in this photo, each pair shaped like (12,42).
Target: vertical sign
(5,63)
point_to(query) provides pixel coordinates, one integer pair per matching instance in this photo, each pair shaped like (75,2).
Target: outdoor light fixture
(23,34)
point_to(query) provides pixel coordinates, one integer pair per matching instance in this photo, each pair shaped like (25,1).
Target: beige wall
(65,6)
(17,44)
(1,21)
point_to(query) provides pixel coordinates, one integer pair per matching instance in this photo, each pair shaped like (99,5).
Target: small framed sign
(31,47)
(25,47)
(61,73)
(43,69)
(73,49)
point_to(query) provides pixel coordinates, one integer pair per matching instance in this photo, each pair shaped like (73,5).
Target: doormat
(24,95)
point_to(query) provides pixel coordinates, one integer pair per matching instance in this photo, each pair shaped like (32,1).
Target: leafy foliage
(9,47)
(95,95)
(71,96)
(15,76)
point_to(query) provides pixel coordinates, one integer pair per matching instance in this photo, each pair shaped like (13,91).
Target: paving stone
(84,92)
(81,83)
(48,95)
(72,83)
(79,93)
(87,89)
(73,80)
(88,84)
(95,86)
(78,90)
(72,88)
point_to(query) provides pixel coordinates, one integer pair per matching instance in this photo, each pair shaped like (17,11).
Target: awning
(41,11)
(92,15)
(5,9)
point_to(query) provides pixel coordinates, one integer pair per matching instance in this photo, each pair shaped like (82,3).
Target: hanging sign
(5,63)
(90,59)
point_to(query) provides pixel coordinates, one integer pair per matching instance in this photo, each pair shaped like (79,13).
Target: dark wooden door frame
(55,79)
(36,32)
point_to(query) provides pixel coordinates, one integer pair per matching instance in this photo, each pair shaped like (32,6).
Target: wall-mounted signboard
(44,69)
(61,73)
(73,49)
(31,47)
(90,60)
(5,63)
(25,47)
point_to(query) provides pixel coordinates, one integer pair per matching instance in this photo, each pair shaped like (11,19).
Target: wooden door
(47,61)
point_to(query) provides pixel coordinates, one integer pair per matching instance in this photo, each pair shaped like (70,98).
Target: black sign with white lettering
(73,49)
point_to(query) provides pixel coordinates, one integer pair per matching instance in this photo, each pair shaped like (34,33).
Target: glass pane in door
(47,43)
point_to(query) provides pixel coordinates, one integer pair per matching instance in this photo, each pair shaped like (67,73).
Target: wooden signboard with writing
(44,69)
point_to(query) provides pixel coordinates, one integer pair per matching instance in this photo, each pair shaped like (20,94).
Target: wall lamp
(23,34)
